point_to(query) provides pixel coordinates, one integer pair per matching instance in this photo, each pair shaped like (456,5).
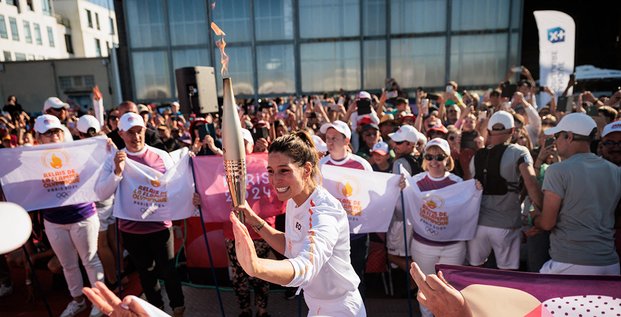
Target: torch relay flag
(145,194)
(557,33)
(98,105)
(53,175)
(369,198)
(447,214)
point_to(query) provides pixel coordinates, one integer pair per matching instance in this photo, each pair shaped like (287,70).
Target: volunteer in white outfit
(72,231)
(316,237)
(437,165)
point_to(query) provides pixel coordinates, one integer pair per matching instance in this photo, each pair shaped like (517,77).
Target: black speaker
(196,89)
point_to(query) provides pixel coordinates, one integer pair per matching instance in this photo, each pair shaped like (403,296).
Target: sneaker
(178,311)
(73,309)
(6,290)
(95,312)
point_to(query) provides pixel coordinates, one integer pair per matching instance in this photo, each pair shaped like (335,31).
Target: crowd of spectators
(518,149)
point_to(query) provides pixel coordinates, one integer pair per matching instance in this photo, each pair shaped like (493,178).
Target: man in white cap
(502,168)
(152,138)
(147,242)
(59,109)
(580,196)
(404,146)
(338,136)
(611,142)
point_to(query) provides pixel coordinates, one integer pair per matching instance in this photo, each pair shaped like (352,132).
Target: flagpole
(213,269)
(407,258)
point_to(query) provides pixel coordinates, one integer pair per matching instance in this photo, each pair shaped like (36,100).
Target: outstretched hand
(111,305)
(244,247)
(435,293)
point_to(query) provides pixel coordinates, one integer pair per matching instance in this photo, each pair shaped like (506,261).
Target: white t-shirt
(317,245)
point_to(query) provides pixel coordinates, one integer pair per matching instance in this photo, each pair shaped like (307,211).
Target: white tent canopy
(586,72)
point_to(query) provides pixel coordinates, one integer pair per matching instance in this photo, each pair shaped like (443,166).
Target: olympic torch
(234,150)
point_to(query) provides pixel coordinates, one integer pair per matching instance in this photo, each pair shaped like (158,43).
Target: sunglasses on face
(558,135)
(399,143)
(112,117)
(438,157)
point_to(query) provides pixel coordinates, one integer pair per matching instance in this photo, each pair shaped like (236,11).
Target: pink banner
(508,293)
(215,196)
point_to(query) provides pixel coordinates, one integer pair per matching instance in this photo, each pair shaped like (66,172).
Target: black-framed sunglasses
(558,134)
(438,157)
(399,142)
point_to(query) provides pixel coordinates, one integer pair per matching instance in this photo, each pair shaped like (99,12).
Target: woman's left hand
(478,185)
(244,247)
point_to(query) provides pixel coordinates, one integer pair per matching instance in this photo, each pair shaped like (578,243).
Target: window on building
(46,7)
(76,82)
(50,36)
(14,30)
(37,33)
(187,22)
(274,20)
(97,21)
(30,6)
(276,69)
(27,32)
(97,47)
(20,56)
(112,31)
(145,19)
(327,18)
(89,17)
(329,65)
(7,56)
(3,32)
(69,43)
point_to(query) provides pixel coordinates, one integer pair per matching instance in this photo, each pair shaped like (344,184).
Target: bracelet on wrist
(258,227)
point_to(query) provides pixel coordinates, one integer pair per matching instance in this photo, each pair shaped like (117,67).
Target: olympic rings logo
(62,195)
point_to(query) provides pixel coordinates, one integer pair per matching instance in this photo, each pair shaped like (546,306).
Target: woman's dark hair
(300,148)
(90,133)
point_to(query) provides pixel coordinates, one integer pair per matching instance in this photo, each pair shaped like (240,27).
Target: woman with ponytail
(316,237)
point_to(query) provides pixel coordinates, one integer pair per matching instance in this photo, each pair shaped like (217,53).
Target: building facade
(30,31)
(285,47)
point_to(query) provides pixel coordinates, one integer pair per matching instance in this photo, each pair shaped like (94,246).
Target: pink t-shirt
(149,157)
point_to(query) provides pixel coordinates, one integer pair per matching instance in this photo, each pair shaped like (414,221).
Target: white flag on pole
(145,194)
(557,33)
(447,214)
(52,175)
(368,197)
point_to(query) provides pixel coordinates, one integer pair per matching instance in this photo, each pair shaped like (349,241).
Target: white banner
(368,197)
(144,194)
(52,175)
(557,33)
(447,214)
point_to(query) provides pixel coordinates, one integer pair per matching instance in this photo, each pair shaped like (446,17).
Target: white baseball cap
(405,133)
(320,145)
(130,120)
(54,102)
(421,138)
(339,126)
(364,95)
(578,123)
(46,122)
(86,122)
(247,136)
(501,117)
(381,148)
(611,127)
(441,143)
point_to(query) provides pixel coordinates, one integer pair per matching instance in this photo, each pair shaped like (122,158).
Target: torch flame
(347,190)
(221,44)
